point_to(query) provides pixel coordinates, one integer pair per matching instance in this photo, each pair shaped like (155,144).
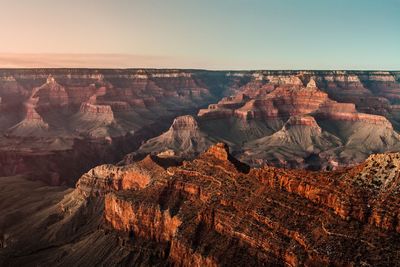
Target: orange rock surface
(213,211)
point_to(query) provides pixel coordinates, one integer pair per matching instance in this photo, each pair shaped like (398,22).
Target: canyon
(322,120)
(157,167)
(210,211)
(56,124)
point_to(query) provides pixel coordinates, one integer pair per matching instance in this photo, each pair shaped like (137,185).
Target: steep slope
(32,123)
(51,93)
(293,125)
(184,139)
(51,117)
(300,138)
(212,211)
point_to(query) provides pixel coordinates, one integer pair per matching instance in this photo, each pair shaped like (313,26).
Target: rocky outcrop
(102,112)
(184,123)
(51,93)
(289,100)
(40,107)
(183,140)
(209,212)
(301,136)
(32,123)
(297,125)
(107,178)
(143,220)
(46,112)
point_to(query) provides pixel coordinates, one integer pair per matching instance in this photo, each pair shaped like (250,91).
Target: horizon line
(131,61)
(189,69)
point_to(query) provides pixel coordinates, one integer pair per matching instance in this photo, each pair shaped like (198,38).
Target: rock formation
(214,211)
(51,93)
(47,113)
(62,114)
(293,125)
(211,213)
(32,123)
(183,140)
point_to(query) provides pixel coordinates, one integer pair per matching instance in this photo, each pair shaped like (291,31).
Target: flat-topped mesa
(283,102)
(215,113)
(118,106)
(382,76)
(304,120)
(186,122)
(347,112)
(284,80)
(92,110)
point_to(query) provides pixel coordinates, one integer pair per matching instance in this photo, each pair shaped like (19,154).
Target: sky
(201,34)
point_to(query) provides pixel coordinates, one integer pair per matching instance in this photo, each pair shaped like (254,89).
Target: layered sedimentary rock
(184,139)
(216,211)
(106,178)
(326,133)
(52,93)
(48,112)
(32,124)
(212,213)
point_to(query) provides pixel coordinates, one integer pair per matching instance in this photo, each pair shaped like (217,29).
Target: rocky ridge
(216,211)
(286,123)
(245,209)
(62,115)
(52,116)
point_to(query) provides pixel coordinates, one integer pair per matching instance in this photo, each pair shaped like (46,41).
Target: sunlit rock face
(50,117)
(210,211)
(290,119)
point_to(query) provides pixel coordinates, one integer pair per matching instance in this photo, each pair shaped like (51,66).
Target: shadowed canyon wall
(58,123)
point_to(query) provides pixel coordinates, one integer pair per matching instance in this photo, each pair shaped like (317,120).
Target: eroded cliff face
(107,178)
(183,140)
(212,212)
(288,119)
(216,211)
(62,115)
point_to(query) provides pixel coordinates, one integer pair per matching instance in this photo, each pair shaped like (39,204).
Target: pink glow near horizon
(80,61)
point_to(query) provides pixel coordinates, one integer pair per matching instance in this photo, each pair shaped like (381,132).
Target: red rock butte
(199,168)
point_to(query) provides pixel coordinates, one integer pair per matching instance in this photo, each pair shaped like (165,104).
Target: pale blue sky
(213,34)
